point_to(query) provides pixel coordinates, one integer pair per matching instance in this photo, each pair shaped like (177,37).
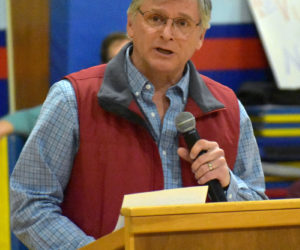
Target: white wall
(2,14)
(279,27)
(231,12)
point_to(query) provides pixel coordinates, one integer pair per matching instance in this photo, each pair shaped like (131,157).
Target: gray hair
(205,7)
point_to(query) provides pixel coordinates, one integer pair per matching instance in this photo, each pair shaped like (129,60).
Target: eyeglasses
(182,26)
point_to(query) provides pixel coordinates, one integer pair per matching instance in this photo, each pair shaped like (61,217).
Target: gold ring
(210,166)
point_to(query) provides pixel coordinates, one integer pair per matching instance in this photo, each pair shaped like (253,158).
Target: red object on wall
(230,54)
(3,63)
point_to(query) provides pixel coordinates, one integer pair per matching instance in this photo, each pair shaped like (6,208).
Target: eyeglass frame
(167,18)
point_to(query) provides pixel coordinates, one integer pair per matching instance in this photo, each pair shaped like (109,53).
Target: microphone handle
(215,190)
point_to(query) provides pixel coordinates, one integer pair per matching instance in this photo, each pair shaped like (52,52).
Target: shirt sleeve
(42,172)
(247,178)
(24,120)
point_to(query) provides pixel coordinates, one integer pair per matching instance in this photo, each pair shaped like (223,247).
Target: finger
(199,146)
(184,154)
(209,156)
(202,145)
(210,166)
(205,169)
(211,172)
(218,170)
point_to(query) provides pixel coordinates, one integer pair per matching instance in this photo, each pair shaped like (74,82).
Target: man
(112,44)
(109,130)
(23,121)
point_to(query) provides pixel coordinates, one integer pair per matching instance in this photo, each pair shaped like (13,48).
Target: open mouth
(164,51)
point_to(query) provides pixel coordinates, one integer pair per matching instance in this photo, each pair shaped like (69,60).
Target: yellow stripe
(4,196)
(291,132)
(282,118)
(278,179)
(295,164)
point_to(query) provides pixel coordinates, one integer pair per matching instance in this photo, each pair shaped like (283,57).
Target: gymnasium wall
(232,52)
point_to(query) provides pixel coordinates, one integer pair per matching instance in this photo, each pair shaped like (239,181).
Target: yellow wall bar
(280,132)
(280,118)
(4,196)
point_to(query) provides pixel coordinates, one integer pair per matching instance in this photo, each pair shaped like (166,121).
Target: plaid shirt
(165,134)
(44,167)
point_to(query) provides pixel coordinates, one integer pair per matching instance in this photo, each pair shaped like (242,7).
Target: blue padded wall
(77,30)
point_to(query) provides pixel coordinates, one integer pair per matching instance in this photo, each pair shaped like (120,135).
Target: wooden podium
(272,224)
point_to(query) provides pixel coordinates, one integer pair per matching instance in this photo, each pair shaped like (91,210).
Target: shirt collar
(115,93)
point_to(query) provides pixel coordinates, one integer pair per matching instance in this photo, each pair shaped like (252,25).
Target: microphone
(186,125)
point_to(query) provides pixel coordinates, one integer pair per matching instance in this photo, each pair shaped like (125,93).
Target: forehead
(181,7)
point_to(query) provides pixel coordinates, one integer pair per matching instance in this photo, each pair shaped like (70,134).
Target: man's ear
(201,39)
(129,26)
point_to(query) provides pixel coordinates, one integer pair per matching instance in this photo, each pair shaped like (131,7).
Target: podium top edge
(218,207)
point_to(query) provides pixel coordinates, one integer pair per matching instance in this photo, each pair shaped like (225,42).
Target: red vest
(117,155)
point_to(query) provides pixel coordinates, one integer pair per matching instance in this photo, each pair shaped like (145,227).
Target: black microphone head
(185,122)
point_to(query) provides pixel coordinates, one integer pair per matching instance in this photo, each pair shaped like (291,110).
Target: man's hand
(208,166)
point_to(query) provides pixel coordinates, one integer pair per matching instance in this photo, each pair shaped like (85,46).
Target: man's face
(163,49)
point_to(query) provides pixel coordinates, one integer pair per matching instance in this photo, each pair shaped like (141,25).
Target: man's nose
(168,30)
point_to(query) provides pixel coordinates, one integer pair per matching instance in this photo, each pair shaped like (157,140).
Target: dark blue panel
(279,141)
(261,110)
(3,97)
(59,41)
(16,244)
(2,38)
(15,145)
(235,78)
(97,20)
(77,30)
(282,184)
(232,31)
(279,148)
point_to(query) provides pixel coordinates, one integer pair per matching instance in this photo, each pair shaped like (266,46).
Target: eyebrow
(181,14)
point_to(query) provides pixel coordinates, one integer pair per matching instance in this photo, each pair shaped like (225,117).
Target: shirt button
(148,86)
(230,196)
(164,152)
(137,93)
(152,114)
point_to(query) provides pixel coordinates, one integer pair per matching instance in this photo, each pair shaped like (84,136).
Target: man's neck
(162,82)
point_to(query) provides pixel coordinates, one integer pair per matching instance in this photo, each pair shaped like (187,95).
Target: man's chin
(166,69)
